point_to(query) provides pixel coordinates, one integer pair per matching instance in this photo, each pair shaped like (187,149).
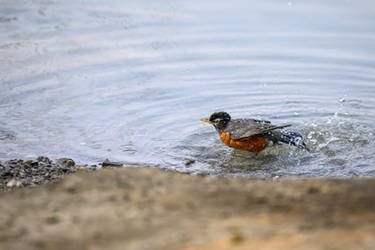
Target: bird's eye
(217,120)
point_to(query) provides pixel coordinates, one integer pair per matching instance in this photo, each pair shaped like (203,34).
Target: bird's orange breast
(253,143)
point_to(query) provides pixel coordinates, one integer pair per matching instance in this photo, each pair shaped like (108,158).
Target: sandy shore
(143,208)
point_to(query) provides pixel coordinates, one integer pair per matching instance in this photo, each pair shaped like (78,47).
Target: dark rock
(107,163)
(65,162)
(189,162)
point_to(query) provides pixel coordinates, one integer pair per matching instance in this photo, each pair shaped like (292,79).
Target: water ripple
(130,83)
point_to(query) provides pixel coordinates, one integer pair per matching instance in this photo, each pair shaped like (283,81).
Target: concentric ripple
(129,81)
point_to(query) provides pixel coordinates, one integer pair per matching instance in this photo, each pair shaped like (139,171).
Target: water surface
(129,81)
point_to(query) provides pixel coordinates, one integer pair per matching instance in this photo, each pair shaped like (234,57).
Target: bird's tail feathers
(293,138)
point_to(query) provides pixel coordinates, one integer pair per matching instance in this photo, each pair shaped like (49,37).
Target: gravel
(30,173)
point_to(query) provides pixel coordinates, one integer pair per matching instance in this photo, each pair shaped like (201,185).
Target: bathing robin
(251,134)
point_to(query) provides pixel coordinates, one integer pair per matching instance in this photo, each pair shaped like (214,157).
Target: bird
(252,134)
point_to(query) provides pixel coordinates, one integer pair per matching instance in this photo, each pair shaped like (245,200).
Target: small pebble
(65,161)
(43,159)
(14,183)
(189,162)
(275,178)
(107,163)
(81,169)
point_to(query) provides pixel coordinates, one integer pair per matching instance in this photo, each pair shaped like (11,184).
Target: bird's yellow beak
(208,121)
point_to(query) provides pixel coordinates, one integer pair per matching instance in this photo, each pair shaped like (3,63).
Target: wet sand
(144,208)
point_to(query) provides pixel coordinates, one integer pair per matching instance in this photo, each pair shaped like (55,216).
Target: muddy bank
(142,208)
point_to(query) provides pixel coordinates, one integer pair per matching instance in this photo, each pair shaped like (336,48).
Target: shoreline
(19,173)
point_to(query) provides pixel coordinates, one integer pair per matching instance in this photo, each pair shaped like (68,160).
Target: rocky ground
(23,173)
(144,208)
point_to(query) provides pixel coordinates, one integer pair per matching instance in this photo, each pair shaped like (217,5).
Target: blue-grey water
(130,80)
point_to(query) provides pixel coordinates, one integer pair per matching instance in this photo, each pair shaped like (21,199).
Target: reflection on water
(130,80)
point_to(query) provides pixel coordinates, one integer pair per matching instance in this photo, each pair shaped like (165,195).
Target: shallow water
(129,81)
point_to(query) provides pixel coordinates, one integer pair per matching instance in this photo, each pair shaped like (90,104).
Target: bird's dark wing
(244,128)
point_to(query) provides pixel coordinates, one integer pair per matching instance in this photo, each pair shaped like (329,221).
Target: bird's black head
(219,120)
